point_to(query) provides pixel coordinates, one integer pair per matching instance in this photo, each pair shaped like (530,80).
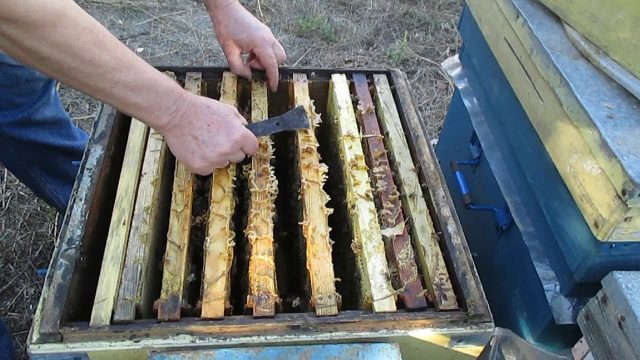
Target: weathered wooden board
(263,187)
(367,243)
(608,217)
(135,290)
(610,321)
(218,248)
(434,188)
(580,350)
(441,334)
(134,295)
(80,225)
(315,225)
(400,254)
(115,248)
(611,25)
(176,256)
(422,230)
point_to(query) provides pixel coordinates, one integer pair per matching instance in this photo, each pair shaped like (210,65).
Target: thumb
(236,64)
(248,142)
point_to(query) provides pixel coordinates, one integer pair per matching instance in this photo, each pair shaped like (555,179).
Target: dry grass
(27,230)
(414,36)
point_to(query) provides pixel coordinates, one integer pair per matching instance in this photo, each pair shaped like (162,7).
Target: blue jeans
(39,143)
(6,347)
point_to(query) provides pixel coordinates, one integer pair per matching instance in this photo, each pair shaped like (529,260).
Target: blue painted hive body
(538,270)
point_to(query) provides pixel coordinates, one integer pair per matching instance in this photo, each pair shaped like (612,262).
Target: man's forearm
(63,41)
(215,5)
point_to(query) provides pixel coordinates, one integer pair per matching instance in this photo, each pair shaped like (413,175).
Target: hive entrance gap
(289,257)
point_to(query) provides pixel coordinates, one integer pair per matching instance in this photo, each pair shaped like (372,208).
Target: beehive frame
(464,329)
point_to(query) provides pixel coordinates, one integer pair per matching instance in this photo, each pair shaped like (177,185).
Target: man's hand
(53,37)
(206,134)
(239,33)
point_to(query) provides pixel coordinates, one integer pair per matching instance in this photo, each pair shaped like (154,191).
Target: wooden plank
(263,187)
(611,25)
(135,289)
(313,198)
(580,350)
(434,188)
(367,242)
(115,248)
(595,335)
(608,217)
(78,227)
(218,250)
(449,329)
(392,221)
(423,234)
(441,339)
(134,295)
(176,256)
(610,321)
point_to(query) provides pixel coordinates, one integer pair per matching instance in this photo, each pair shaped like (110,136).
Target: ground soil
(414,36)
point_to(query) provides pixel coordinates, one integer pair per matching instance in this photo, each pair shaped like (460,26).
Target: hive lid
(611,25)
(607,115)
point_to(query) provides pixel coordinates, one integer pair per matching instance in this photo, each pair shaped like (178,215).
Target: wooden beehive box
(342,233)
(594,147)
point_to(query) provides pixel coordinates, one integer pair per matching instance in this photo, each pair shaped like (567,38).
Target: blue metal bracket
(502,214)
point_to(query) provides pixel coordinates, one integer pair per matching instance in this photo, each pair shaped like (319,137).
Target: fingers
(254,62)
(267,57)
(232,113)
(264,57)
(236,63)
(242,138)
(241,119)
(281,55)
(219,165)
(237,157)
(248,142)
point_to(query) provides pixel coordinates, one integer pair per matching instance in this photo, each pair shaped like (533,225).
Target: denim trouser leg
(39,143)
(7,351)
